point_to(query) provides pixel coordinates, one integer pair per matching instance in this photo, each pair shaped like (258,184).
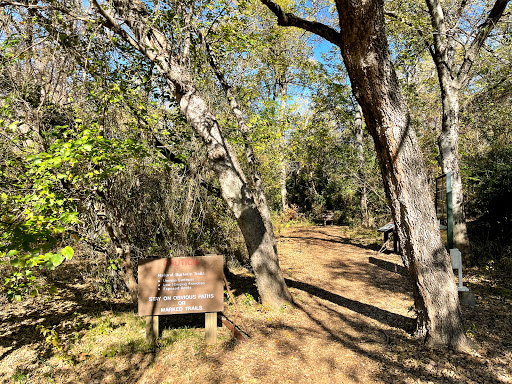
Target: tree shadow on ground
(385,317)
(430,364)
(402,358)
(62,315)
(242,284)
(310,240)
(389,266)
(105,369)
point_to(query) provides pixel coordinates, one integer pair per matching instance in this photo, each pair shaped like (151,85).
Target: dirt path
(350,324)
(351,309)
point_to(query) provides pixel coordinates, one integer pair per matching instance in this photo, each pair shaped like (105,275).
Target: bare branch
(242,124)
(24,5)
(286,19)
(111,23)
(460,9)
(43,7)
(483,32)
(410,25)
(188,34)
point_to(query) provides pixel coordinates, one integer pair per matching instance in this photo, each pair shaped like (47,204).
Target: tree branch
(52,7)
(286,19)
(483,32)
(242,124)
(441,47)
(410,25)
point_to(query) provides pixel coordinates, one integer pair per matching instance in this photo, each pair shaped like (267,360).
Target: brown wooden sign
(181,285)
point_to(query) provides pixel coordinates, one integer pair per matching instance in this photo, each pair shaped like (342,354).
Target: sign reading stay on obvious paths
(181,285)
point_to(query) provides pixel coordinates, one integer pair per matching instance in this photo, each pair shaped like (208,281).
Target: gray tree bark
(234,187)
(452,79)
(358,133)
(363,43)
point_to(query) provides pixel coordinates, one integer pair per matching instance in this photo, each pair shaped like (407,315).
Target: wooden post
(210,325)
(151,329)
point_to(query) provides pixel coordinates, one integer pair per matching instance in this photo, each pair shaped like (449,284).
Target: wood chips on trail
(351,324)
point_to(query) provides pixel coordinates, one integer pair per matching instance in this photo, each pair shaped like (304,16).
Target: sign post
(444,212)
(181,285)
(152,330)
(210,327)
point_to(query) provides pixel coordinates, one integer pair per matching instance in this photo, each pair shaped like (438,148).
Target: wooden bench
(328,216)
(387,229)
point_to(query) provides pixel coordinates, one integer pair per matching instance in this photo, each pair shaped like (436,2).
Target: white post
(457,264)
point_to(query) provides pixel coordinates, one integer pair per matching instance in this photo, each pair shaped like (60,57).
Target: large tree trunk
(376,87)
(234,187)
(358,133)
(237,194)
(363,44)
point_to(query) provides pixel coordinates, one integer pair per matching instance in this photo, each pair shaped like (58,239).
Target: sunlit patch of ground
(351,324)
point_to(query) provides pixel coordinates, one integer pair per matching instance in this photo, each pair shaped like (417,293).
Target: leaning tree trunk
(237,194)
(377,89)
(234,187)
(252,161)
(364,47)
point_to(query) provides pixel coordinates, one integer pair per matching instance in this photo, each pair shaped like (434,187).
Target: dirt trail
(351,301)
(350,324)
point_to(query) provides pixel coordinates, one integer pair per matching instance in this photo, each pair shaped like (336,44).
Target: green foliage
(51,337)
(489,180)
(33,223)
(20,377)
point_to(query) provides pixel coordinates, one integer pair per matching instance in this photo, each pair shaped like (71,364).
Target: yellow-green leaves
(67,252)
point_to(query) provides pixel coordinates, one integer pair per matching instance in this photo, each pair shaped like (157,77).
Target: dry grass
(350,324)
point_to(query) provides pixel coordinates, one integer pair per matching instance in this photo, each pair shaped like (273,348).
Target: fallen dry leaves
(351,324)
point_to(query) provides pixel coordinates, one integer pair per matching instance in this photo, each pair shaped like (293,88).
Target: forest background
(99,161)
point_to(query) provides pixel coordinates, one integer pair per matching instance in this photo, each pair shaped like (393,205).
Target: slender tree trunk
(448,142)
(452,78)
(244,129)
(121,243)
(283,174)
(358,133)
(188,209)
(363,43)
(234,187)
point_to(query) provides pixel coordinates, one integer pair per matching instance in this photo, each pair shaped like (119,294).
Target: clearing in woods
(351,324)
